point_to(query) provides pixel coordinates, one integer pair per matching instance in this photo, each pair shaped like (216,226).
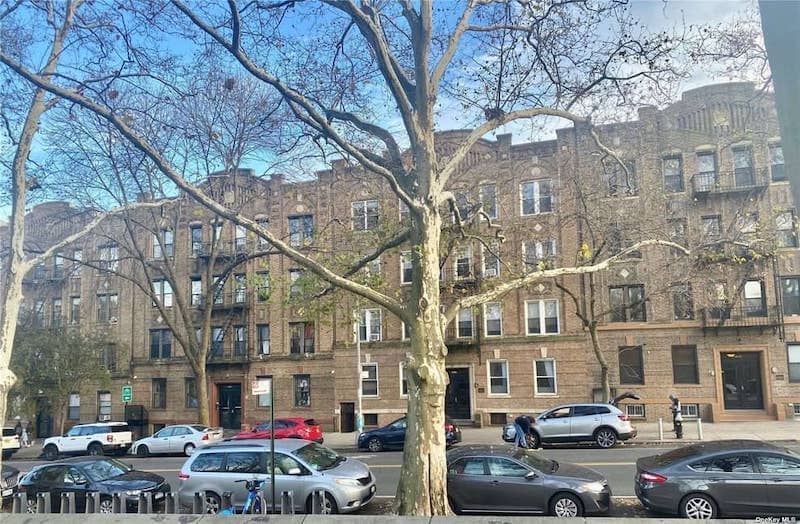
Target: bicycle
(253,502)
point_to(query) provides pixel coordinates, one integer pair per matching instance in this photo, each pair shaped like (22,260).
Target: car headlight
(348,482)
(595,487)
(133,492)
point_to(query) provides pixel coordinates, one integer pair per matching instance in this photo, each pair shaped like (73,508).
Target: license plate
(7,492)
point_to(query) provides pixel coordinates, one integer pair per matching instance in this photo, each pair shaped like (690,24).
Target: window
(302,390)
(160,343)
(682,302)
(493,319)
(369,325)
(265,399)
(108,357)
(690,410)
(618,181)
(778,464)
(58,265)
(406,268)
(263,223)
(74,412)
(676,229)
(403,380)
(785,229)
(706,178)
(38,313)
(627,303)
(489,200)
(196,236)
(263,338)
(295,283)
(539,255)
(107,307)
(463,204)
(465,323)
(406,331)
(104,405)
(159,393)
(754,300)
(370,419)
(239,238)
(635,410)
(405,213)
(790,291)
(56,313)
(190,392)
(262,286)
(684,365)
(162,293)
(726,464)
(462,265)
(208,462)
(468,466)
(712,226)
(542,317)
(776,162)
(491,260)
(369,379)
(747,223)
(545,377)
(301,230)
(501,467)
(673,174)
(216,231)
(365,215)
(217,341)
(109,257)
(793,358)
(631,366)
(498,377)
(197,291)
(163,244)
(77,259)
(536,197)
(239,340)
(301,337)
(75,310)
(743,175)
(239,289)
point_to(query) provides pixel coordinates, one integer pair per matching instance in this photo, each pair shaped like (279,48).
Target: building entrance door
(457,398)
(230,406)
(741,380)
(348,417)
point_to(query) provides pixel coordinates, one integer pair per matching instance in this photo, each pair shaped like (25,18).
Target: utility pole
(359,414)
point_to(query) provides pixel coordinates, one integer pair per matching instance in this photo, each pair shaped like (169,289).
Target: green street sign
(127,393)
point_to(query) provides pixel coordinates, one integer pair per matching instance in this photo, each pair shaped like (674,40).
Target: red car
(296,427)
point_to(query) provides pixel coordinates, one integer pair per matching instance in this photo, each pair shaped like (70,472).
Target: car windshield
(535,461)
(105,469)
(200,428)
(319,457)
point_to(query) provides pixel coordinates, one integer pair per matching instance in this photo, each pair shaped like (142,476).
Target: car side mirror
(530,475)
(294,471)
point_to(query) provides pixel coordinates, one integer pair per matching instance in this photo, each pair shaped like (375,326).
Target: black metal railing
(462,335)
(219,353)
(465,275)
(740,316)
(743,179)
(238,299)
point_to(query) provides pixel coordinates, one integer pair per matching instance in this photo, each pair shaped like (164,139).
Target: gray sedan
(746,478)
(181,438)
(503,479)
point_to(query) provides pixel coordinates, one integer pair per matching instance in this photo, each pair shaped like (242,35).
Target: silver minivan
(301,467)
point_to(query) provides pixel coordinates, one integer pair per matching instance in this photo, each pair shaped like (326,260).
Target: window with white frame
(403,380)
(489,200)
(491,260)
(265,399)
(405,213)
(634,410)
(263,243)
(196,239)
(109,257)
(539,254)
(493,319)
(163,244)
(373,268)
(365,215)
(240,238)
(545,370)
(162,292)
(369,325)
(785,235)
(77,260)
(690,410)
(797,410)
(542,317)
(466,322)
(793,357)
(498,377)
(536,197)
(406,268)
(103,405)
(462,265)
(196,298)
(263,338)
(74,407)
(369,379)
(406,331)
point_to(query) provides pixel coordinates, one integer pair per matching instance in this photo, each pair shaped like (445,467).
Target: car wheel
(375,444)
(566,505)
(50,452)
(31,506)
(697,506)
(329,506)
(212,503)
(142,451)
(95,449)
(605,438)
(534,440)
(106,505)
(188,449)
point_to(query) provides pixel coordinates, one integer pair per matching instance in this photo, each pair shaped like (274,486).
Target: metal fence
(145,503)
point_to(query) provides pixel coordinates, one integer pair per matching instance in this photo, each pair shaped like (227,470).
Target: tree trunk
(605,382)
(422,489)
(203,398)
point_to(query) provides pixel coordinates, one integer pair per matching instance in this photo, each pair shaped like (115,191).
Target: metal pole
(359,413)
(699,429)
(272,438)
(661,430)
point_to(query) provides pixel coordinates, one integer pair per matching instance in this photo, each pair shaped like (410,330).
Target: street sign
(127,393)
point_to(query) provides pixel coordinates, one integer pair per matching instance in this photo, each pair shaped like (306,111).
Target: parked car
(726,478)
(86,474)
(499,479)
(294,427)
(301,467)
(603,424)
(9,482)
(90,439)
(181,438)
(393,436)
(10,443)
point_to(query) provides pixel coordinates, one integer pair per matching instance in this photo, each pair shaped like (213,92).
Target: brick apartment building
(724,338)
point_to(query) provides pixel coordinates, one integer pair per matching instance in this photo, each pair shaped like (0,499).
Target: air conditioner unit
(113,321)
(374,337)
(490,272)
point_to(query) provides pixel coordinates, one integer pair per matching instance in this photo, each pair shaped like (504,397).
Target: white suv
(92,439)
(602,424)
(10,442)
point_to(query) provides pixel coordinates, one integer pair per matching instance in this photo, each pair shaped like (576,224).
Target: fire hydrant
(677,417)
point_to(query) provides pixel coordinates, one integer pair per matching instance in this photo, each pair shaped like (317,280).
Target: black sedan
(87,474)
(9,476)
(393,436)
(726,478)
(507,480)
